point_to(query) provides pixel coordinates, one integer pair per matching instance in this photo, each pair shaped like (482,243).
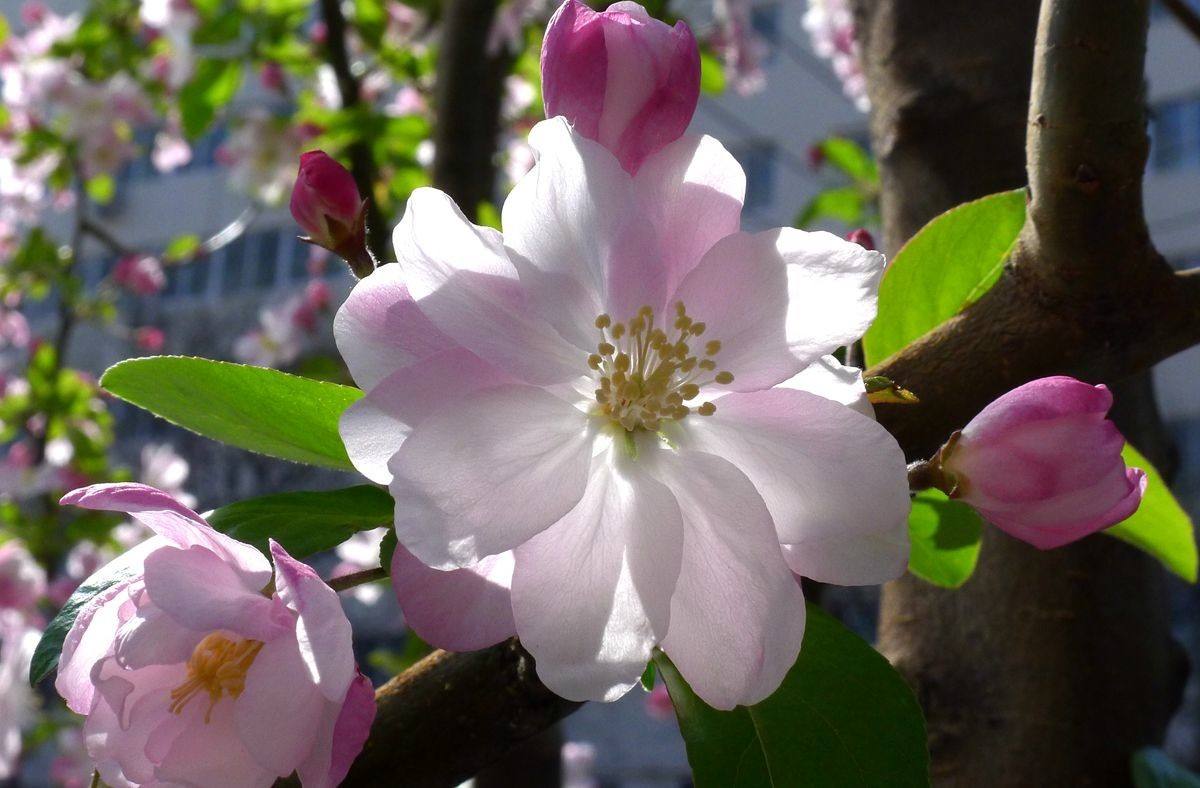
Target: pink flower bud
(271,76)
(622,78)
(1043,464)
(862,238)
(140,274)
(326,204)
(149,338)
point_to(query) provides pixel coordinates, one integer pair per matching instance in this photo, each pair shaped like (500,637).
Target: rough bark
(450,715)
(1046,668)
(470,84)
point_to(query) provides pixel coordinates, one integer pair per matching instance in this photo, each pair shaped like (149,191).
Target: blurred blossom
(149,338)
(22,579)
(404,22)
(658,703)
(425,153)
(71,767)
(261,153)
(579,765)
(171,151)
(407,101)
(175,20)
(830,25)
(511,19)
(272,77)
(519,95)
(166,469)
(18,703)
(21,479)
(280,337)
(140,274)
(740,47)
(14,329)
(81,562)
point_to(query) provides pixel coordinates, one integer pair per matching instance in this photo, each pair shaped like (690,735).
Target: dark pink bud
(816,157)
(862,238)
(1043,464)
(326,204)
(623,78)
(149,339)
(271,76)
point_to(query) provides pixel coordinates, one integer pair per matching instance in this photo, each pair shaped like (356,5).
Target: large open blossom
(633,397)
(191,674)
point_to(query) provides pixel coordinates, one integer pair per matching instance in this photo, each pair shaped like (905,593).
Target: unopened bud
(326,204)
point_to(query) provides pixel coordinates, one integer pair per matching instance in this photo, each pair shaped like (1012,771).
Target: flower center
(647,375)
(217,666)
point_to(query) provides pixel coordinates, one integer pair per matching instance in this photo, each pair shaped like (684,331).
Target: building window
(266,252)
(234,269)
(764,21)
(1175,133)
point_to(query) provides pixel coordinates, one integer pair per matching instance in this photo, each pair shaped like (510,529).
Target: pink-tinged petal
(380,328)
(464,282)
(119,751)
(374,427)
(575,67)
(460,609)
(829,378)
(210,752)
(592,593)
(1039,400)
(833,287)
(691,192)
(584,246)
(737,616)
(174,522)
(202,592)
(742,270)
(279,713)
(828,475)
(485,474)
(340,743)
(151,637)
(321,626)
(90,638)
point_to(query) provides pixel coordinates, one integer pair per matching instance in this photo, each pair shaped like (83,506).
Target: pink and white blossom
(197,670)
(22,579)
(140,274)
(621,77)
(1043,463)
(18,703)
(622,413)
(830,25)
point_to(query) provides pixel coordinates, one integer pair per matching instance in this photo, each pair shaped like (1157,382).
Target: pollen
(647,369)
(218,667)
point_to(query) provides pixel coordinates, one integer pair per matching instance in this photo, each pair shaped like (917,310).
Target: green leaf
(305,522)
(387,549)
(4,29)
(45,655)
(851,158)
(846,204)
(214,85)
(181,247)
(1153,768)
(262,410)
(101,188)
(712,74)
(842,717)
(949,264)
(945,538)
(1160,526)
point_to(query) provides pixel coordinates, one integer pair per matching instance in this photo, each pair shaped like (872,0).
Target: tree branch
(362,161)
(1085,294)
(1184,14)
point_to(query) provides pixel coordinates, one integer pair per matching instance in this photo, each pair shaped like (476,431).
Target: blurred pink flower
(149,338)
(141,274)
(22,579)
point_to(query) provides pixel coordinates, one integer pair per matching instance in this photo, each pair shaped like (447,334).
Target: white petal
(832,479)
(374,427)
(592,593)
(691,192)
(829,378)
(737,616)
(586,244)
(487,473)
(466,285)
(833,285)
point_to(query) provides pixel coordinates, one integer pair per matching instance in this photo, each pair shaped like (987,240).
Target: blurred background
(190,249)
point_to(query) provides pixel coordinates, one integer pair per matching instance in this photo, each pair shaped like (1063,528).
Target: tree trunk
(1046,668)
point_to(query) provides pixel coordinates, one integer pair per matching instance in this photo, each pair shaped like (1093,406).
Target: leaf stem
(349,581)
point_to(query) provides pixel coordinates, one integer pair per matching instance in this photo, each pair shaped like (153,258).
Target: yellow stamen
(218,666)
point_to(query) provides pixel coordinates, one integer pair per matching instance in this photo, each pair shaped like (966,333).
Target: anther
(724,378)
(594,361)
(606,349)
(707,409)
(713,347)
(604,321)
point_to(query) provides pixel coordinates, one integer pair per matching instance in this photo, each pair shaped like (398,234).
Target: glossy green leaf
(1153,768)
(945,538)
(946,266)
(214,85)
(305,522)
(1160,526)
(262,410)
(45,655)
(842,717)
